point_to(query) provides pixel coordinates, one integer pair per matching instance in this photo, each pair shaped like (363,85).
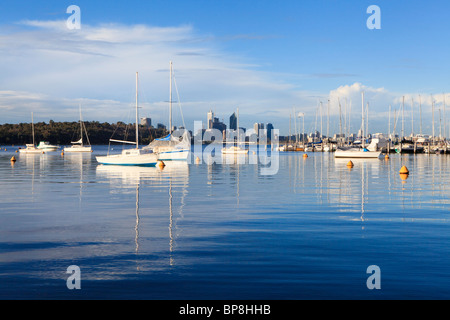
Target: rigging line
(178,97)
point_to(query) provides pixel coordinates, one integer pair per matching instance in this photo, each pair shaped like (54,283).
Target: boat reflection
(174,175)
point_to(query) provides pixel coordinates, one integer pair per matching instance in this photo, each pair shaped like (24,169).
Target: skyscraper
(269,128)
(233,121)
(210,119)
(257,127)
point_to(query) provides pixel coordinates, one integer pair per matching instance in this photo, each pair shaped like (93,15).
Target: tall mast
(412,117)
(137,124)
(81,127)
(32,127)
(389,131)
(328,119)
(445,120)
(170,101)
(420,110)
(432,115)
(237,123)
(367,119)
(403,117)
(362,123)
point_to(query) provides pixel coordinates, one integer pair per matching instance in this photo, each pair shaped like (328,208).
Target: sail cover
(171,141)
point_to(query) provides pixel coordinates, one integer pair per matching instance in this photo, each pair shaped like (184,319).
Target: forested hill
(62,133)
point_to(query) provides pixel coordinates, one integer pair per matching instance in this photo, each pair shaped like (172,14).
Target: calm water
(224,231)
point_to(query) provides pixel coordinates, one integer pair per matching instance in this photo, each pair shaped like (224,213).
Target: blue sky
(265,57)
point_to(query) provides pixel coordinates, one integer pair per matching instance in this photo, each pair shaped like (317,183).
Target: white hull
(31,149)
(173,155)
(234,150)
(357,154)
(129,158)
(78,149)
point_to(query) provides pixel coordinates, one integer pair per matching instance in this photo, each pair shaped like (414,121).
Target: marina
(224,159)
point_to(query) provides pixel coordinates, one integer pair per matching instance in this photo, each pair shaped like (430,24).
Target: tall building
(257,127)
(233,121)
(219,125)
(146,122)
(210,119)
(269,128)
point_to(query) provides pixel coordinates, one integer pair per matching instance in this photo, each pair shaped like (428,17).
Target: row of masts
(363,134)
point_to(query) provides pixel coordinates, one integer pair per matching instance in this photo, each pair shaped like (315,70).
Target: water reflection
(175,175)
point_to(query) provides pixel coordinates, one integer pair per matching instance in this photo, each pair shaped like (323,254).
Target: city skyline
(283,57)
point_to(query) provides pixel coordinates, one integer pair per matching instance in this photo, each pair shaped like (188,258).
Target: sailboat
(235,149)
(31,148)
(358,152)
(131,157)
(170,147)
(78,146)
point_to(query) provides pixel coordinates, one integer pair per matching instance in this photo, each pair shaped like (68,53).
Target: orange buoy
(350,164)
(305,155)
(161,164)
(404,176)
(13,159)
(404,170)
(197,160)
(386,157)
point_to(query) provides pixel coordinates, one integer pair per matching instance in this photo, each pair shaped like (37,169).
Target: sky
(270,59)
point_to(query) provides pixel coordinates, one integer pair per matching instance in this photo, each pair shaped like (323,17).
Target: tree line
(63,133)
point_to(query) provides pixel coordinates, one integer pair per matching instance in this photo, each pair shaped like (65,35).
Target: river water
(224,231)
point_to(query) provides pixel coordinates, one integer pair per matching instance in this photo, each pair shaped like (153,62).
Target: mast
(432,115)
(81,127)
(445,120)
(403,117)
(328,119)
(170,101)
(340,119)
(367,119)
(237,123)
(420,110)
(389,131)
(137,124)
(412,117)
(362,123)
(32,127)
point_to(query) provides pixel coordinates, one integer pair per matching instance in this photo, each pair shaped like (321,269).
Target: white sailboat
(359,153)
(78,146)
(235,149)
(171,148)
(131,157)
(31,148)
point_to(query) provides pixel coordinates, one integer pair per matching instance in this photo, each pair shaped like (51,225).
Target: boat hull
(234,151)
(28,151)
(77,149)
(149,160)
(174,155)
(357,154)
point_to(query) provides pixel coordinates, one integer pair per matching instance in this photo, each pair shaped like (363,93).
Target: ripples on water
(224,231)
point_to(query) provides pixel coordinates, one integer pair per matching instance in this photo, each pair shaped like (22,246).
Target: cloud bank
(50,70)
